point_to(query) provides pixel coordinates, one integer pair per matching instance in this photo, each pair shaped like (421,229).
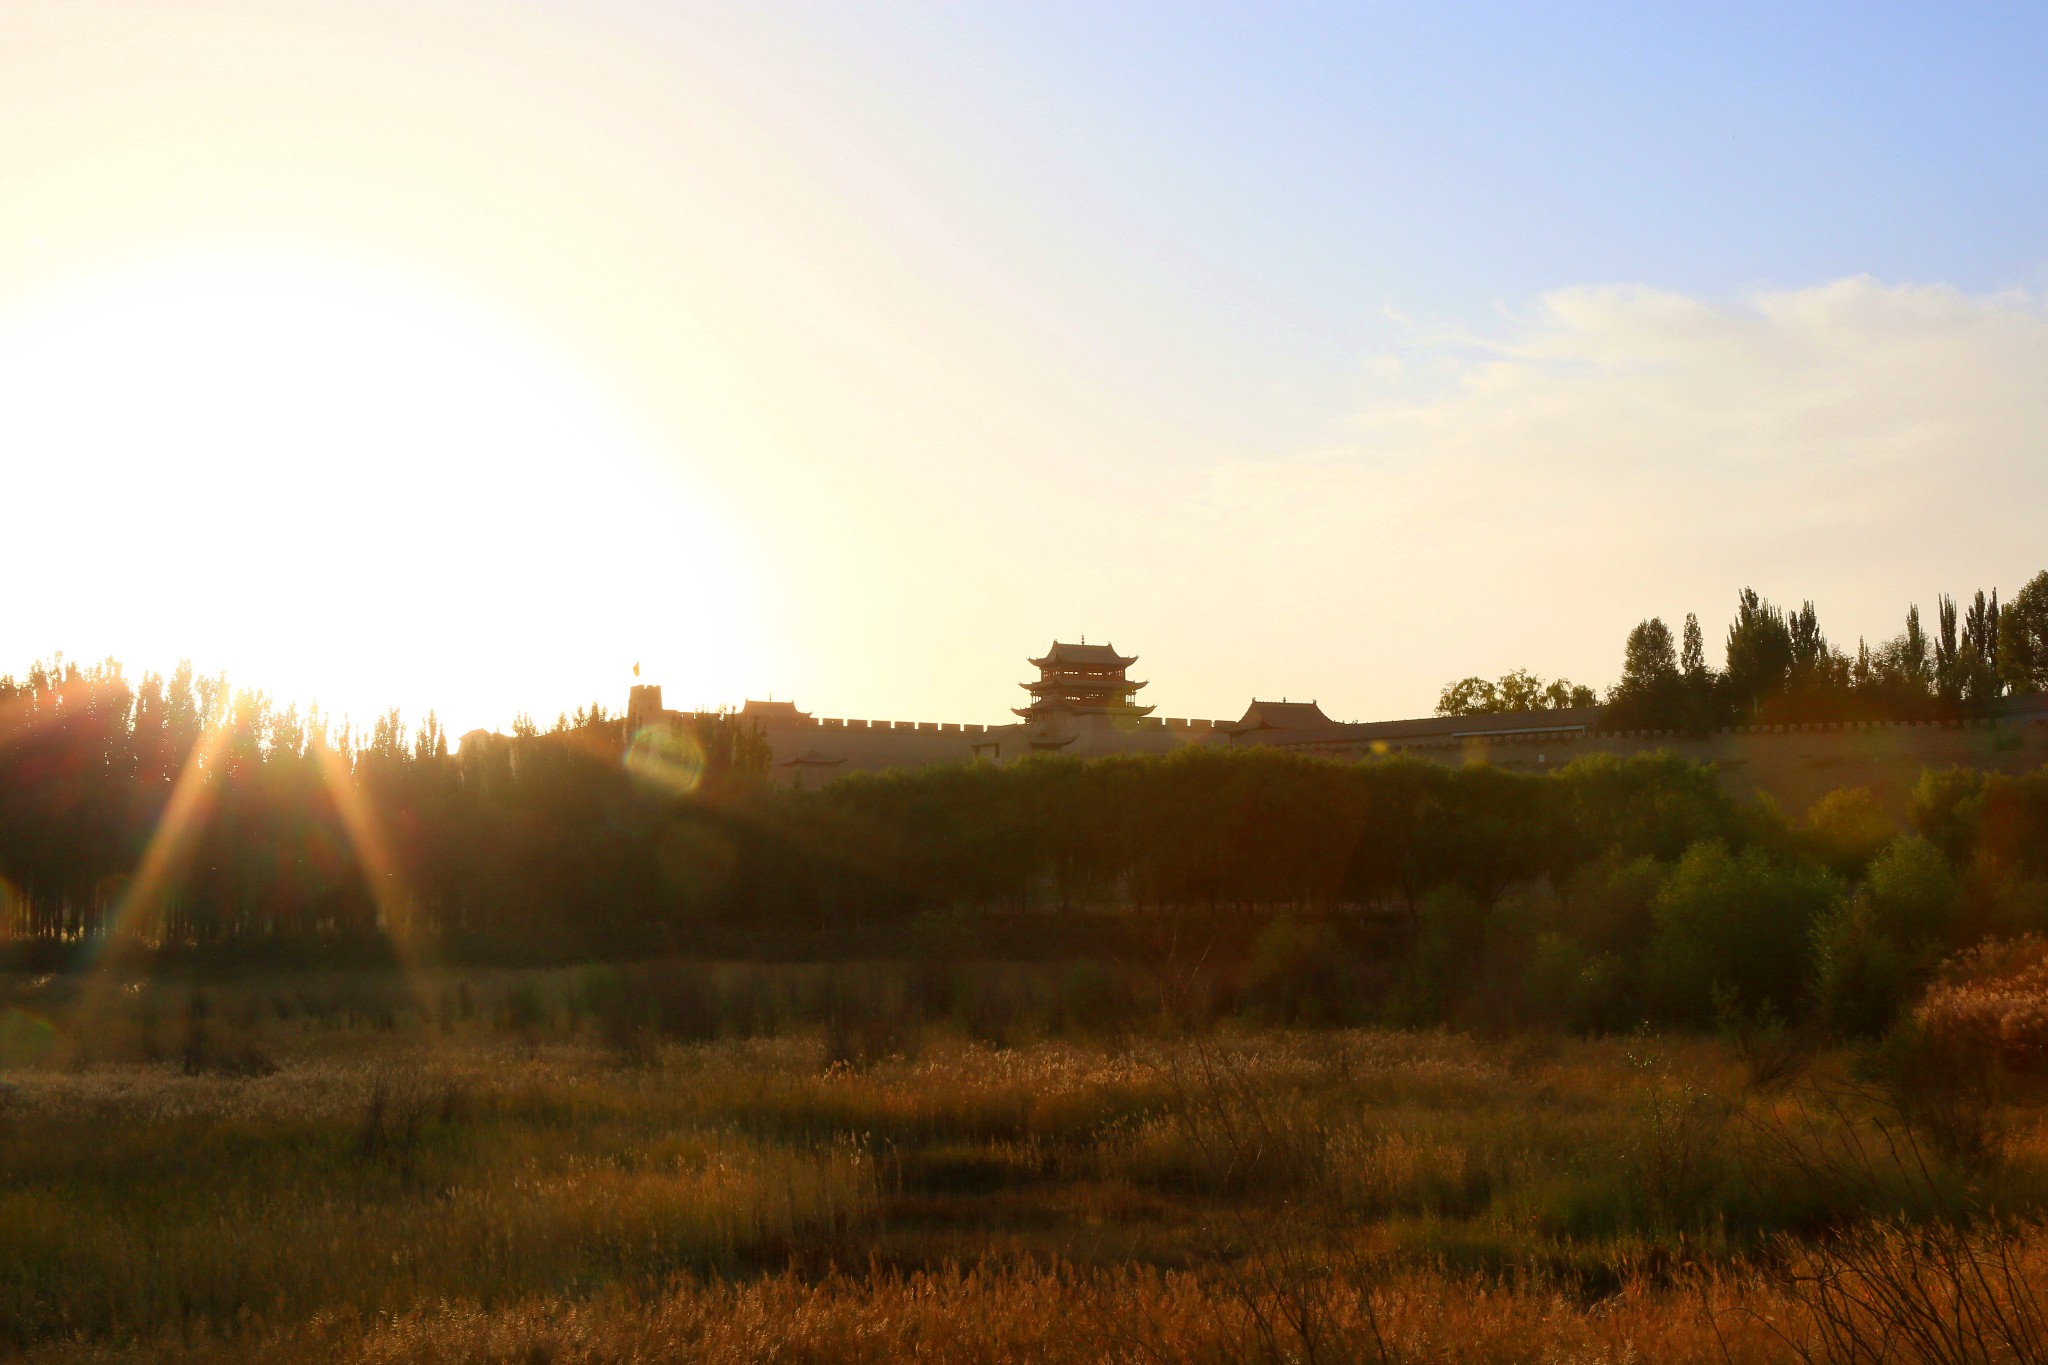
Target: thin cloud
(1625,452)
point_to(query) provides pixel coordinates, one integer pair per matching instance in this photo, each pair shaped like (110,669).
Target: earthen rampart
(816,748)
(1793,764)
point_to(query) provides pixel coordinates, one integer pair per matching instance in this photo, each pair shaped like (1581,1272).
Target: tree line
(1779,667)
(177,814)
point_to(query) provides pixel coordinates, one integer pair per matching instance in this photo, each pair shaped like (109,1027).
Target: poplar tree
(1699,680)
(1981,682)
(1759,653)
(1948,657)
(1650,693)
(1912,655)
(2023,638)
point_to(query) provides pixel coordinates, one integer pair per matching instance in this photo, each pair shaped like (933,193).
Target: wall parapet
(922,727)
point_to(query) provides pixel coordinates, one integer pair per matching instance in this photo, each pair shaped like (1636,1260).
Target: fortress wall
(864,745)
(1793,764)
(869,745)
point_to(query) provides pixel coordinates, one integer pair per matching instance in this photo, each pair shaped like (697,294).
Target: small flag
(636,670)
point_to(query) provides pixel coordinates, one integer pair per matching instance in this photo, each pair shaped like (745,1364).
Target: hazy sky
(455,354)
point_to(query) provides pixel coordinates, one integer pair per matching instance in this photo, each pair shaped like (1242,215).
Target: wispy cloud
(1620,452)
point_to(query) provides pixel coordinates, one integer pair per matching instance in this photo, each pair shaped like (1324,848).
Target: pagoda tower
(1077,681)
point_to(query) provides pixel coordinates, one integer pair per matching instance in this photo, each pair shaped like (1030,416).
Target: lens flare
(410,943)
(25,1038)
(666,757)
(137,918)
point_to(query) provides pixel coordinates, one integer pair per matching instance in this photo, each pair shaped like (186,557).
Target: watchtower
(1082,680)
(643,705)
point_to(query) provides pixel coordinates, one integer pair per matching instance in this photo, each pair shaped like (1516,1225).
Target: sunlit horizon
(455,357)
(464,525)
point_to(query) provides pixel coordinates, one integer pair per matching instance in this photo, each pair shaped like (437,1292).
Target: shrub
(1735,921)
(1994,1001)
(1846,828)
(1772,1052)
(1948,1088)
(1611,902)
(1450,931)
(1093,998)
(856,1036)
(1944,808)
(1651,804)
(1569,987)
(196,1047)
(864,1023)
(1862,978)
(2012,823)
(1911,891)
(683,1000)
(619,1012)
(1676,1157)
(1296,972)
(526,1008)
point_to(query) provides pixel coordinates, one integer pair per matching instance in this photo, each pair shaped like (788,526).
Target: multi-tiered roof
(1082,680)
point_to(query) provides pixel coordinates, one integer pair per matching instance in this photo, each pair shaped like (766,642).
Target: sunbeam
(382,873)
(137,919)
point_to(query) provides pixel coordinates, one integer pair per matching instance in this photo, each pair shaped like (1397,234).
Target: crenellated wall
(1794,764)
(818,748)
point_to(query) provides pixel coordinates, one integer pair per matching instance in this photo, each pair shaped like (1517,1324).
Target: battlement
(1075,714)
(823,723)
(1794,763)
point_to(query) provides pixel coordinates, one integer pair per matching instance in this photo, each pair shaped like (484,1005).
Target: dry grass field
(491,1167)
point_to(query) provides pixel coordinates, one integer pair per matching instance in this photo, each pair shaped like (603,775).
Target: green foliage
(1517,690)
(2012,823)
(1759,653)
(1297,972)
(1739,922)
(1651,693)
(526,1007)
(1846,828)
(1944,808)
(1862,977)
(1780,668)
(1653,804)
(1450,930)
(2023,637)
(1611,902)
(1615,890)
(1948,1089)
(1912,892)
(1569,986)
(1094,999)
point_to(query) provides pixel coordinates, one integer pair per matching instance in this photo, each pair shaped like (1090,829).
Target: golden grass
(1031,1313)
(469,1188)
(1995,997)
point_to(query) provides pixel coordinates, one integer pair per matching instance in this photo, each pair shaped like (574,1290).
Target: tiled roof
(1086,656)
(1281,715)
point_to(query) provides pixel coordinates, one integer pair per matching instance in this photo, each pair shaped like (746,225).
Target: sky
(460,355)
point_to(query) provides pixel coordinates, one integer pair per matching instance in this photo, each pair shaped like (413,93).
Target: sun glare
(339,484)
